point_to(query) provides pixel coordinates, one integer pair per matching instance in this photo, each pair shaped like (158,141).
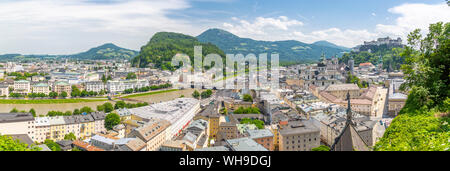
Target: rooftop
(15,117)
(245,144)
(260,133)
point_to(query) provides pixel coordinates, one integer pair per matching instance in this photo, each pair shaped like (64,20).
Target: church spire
(349,109)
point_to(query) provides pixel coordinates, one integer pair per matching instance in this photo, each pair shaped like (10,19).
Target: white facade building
(179,113)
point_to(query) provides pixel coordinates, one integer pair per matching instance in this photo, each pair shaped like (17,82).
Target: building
(396,98)
(341,90)
(244,144)
(122,85)
(17,124)
(62,86)
(99,121)
(41,88)
(22,87)
(153,133)
(263,137)
(84,146)
(212,116)
(298,135)
(42,131)
(179,113)
(227,129)
(95,86)
(4,90)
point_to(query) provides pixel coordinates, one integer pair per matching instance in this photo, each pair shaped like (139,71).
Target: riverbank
(48,101)
(150,93)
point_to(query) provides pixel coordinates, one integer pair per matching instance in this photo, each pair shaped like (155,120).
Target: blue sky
(71,26)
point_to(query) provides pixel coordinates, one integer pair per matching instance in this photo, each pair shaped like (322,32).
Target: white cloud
(54,24)
(413,16)
(262,28)
(348,38)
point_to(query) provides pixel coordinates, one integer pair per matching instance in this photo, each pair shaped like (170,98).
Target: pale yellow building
(41,88)
(153,133)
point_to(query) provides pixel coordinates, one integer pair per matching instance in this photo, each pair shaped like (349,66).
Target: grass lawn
(47,101)
(150,93)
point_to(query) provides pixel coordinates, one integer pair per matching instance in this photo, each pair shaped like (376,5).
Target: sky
(73,26)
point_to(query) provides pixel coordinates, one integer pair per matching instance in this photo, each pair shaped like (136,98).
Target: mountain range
(164,45)
(103,52)
(289,50)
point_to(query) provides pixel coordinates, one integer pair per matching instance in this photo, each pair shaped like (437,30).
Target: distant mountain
(290,50)
(164,45)
(329,44)
(104,52)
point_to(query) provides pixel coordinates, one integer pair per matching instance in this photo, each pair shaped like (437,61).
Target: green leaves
(112,120)
(423,122)
(9,144)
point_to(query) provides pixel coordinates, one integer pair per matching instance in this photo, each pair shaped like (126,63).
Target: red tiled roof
(86,146)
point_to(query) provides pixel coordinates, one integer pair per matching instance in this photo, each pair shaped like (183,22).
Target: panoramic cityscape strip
(243,86)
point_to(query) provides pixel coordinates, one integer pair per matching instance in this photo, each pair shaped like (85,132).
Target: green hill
(104,52)
(290,50)
(329,44)
(107,51)
(164,45)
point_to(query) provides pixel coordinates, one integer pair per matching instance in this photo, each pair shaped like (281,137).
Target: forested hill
(105,52)
(164,45)
(290,50)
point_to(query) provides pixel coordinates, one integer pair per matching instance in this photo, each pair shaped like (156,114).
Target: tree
(63,94)
(70,136)
(248,98)
(100,108)
(53,94)
(321,148)
(422,124)
(196,94)
(119,105)
(52,145)
(108,107)
(427,63)
(7,143)
(33,112)
(86,110)
(76,112)
(112,120)
(104,78)
(75,91)
(131,76)
(14,111)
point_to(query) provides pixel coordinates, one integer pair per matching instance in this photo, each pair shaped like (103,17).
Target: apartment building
(41,88)
(17,124)
(298,135)
(153,133)
(22,87)
(122,85)
(62,86)
(264,137)
(4,90)
(95,86)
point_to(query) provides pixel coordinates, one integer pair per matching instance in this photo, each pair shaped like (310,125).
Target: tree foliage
(7,143)
(422,125)
(321,148)
(112,120)
(164,46)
